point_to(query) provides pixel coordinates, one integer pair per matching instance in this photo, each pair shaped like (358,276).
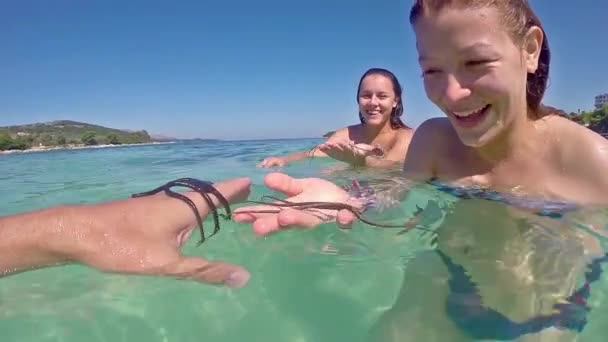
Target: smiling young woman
(381,132)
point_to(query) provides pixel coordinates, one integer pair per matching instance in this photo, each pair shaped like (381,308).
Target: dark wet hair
(397,112)
(518,17)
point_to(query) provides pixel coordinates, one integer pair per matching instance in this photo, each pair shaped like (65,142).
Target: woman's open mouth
(471,118)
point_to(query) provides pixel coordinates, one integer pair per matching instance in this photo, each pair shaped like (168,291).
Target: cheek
(433,89)
(388,103)
(494,86)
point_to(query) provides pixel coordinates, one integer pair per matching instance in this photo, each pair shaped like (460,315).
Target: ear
(533,43)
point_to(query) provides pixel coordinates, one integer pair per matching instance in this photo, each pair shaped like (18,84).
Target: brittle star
(205,187)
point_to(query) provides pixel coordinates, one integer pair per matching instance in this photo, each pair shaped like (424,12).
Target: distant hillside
(66,132)
(161,138)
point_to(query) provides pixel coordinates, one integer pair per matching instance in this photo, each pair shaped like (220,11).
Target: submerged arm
(282,161)
(391,189)
(290,158)
(395,157)
(303,155)
(381,163)
(141,235)
(34,240)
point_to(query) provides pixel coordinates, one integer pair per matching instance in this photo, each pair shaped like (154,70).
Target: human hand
(145,235)
(349,152)
(272,161)
(298,190)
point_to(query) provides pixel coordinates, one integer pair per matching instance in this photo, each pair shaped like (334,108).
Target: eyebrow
(479,45)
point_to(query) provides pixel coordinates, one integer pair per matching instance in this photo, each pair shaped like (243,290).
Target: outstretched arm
(418,167)
(316,153)
(34,240)
(135,236)
(282,161)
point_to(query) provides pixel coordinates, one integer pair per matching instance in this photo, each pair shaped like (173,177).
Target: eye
(477,62)
(430,71)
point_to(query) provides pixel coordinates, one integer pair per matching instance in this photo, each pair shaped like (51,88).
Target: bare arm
(393,185)
(313,153)
(419,162)
(33,240)
(396,156)
(135,236)
(303,155)
(381,163)
(282,161)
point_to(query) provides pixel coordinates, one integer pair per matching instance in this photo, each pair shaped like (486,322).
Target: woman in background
(380,140)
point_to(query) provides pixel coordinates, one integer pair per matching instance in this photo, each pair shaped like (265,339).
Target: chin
(472,142)
(480,136)
(376,121)
(477,140)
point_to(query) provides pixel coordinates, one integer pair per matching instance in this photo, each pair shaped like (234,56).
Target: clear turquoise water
(321,285)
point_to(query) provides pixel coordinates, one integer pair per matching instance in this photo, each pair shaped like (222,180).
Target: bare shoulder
(426,147)
(403,137)
(405,134)
(434,132)
(342,133)
(581,152)
(574,141)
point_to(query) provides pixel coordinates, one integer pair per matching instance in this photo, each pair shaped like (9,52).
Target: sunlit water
(320,285)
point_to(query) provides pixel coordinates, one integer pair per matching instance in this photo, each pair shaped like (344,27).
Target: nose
(374,100)
(454,90)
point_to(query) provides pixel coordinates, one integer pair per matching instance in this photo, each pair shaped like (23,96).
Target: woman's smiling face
(474,71)
(377,99)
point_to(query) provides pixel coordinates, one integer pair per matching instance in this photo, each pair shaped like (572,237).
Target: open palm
(298,190)
(348,151)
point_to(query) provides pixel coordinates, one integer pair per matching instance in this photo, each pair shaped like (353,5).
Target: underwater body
(326,284)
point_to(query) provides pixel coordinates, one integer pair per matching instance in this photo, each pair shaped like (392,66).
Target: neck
(516,141)
(372,132)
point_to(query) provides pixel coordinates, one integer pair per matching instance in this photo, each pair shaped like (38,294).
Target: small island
(67,134)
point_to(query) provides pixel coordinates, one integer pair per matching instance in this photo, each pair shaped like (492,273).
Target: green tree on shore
(596,120)
(46,140)
(61,140)
(6,142)
(113,139)
(88,138)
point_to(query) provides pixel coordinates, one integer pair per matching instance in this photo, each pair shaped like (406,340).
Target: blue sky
(242,69)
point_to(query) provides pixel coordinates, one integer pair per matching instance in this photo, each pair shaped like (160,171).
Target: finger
(291,218)
(204,271)
(331,144)
(345,219)
(268,163)
(287,219)
(283,183)
(248,214)
(344,145)
(234,191)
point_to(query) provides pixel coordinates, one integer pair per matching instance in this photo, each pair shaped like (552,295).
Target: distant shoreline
(79,147)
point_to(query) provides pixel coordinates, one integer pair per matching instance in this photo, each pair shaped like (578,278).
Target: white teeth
(468,113)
